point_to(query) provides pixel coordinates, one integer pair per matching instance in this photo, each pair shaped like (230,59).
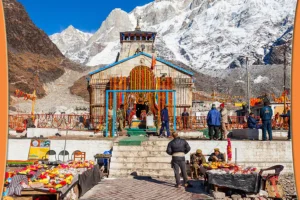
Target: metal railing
(83,122)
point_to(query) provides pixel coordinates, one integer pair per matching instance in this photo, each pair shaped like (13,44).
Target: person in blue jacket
(288,115)
(164,122)
(214,123)
(252,122)
(266,114)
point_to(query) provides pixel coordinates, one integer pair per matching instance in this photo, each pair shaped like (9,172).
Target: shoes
(177,186)
(289,139)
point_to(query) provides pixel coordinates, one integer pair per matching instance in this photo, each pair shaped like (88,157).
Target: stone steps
(139,153)
(140,165)
(139,148)
(154,173)
(156,159)
(148,159)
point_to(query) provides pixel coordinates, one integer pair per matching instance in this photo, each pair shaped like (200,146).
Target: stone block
(236,196)
(194,134)
(218,195)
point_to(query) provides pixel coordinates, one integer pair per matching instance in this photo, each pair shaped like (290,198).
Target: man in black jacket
(178,148)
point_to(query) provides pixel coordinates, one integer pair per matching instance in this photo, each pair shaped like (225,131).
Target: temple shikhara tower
(138,68)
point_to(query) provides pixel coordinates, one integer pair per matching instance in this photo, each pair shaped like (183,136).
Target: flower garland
(229,151)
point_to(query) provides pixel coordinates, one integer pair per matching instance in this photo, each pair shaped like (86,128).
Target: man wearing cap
(164,121)
(197,160)
(121,117)
(213,122)
(266,114)
(224,120)
(217,156)
(110,119)
(178,148)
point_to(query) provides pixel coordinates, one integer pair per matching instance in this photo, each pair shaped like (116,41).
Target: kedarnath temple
(137,68)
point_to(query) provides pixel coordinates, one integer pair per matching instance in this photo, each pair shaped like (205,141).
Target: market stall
(65,181)
(232,176)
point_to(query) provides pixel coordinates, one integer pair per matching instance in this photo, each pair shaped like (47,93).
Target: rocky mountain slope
(33,59)
(203,34)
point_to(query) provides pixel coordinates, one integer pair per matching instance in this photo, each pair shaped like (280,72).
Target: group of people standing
(266,116)
(215,120)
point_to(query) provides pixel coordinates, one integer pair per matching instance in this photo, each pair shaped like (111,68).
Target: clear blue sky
(53,16)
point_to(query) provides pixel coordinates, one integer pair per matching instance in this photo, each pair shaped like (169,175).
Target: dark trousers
(267,126)
(185,122)
(214,132)
(203,171)
(163,125)
(179,162)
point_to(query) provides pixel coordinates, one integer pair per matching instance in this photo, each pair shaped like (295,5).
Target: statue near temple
(131,101)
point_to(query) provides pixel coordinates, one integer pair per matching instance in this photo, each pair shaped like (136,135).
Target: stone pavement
(144,189)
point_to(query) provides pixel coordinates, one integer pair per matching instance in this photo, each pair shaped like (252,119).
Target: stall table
(81,183)
(249,183)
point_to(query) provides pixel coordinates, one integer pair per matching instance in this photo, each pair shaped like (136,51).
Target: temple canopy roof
(147,55)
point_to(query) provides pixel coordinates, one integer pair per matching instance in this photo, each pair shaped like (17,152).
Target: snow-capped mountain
(71,40)
(204,34)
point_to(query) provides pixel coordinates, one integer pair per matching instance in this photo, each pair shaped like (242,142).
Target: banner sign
(38,149)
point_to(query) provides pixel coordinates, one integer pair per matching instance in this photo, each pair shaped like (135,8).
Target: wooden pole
(65,145)
(284,80)
(248,85)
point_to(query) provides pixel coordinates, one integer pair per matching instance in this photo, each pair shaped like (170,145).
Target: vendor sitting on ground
(197,160)
(217,156)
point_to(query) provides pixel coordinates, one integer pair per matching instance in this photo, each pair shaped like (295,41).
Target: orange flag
(153,61)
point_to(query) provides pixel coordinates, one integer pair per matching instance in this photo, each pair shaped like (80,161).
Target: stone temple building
(137,68)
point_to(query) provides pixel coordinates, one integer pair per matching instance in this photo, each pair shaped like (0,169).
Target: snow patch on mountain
(107,56)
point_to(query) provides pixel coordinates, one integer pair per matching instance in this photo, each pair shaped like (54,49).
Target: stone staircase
(148,159)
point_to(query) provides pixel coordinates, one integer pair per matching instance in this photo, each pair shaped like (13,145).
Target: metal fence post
(114,114)
(174,106)
(106,114)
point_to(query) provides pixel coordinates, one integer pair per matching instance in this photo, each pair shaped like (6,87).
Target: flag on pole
(153,63)
(156,95)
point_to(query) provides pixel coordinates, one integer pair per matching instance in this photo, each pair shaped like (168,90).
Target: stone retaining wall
(18,149)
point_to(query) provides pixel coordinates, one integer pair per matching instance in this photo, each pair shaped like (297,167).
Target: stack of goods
(218,165)
(40,176)
(221,168)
